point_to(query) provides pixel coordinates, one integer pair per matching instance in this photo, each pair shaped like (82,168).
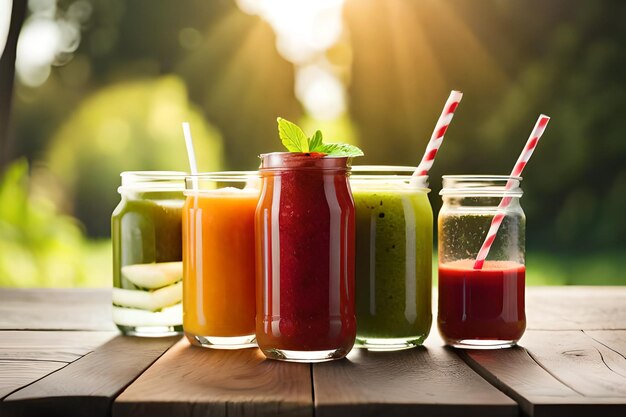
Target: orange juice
(218,267)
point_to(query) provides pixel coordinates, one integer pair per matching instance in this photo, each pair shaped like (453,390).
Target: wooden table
(61,356)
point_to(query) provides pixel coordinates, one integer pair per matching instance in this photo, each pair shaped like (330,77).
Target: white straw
(190,152)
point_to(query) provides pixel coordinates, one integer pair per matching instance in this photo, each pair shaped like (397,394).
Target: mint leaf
(315,142)
(295,140)
(340,149)
(292,136)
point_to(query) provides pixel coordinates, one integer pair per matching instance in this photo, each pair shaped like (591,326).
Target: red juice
(305,259)
(481,307)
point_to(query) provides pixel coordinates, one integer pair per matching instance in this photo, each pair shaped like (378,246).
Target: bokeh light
(49,37)
(305,30)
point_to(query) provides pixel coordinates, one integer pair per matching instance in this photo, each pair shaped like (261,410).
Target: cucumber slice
(170,316)
(149,300)
(153,276)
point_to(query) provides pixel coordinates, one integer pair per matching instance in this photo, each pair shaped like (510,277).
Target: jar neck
(152,182)
(480,187)
(387,177)
(227,181)
(277,162)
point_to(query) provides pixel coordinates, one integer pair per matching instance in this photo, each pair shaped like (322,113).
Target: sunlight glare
(5,21)
(49,37)
(36,49)
(305,30)
(320,91)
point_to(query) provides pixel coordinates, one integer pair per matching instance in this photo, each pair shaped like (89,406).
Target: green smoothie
(147,262)
(394,240)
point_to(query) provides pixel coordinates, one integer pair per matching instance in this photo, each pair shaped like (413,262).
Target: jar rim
(481,185)
(223,176)
(146,175)
(482,177)
(386,175)
(152,181)
(202,183)
(303,161)
(296,154)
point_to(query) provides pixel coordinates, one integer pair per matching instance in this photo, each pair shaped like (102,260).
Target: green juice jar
(394,247)
(146,232)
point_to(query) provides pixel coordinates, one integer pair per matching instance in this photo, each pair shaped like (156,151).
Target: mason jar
(146,233)
(481,306)
(219,259)
(305,258)
(394,249)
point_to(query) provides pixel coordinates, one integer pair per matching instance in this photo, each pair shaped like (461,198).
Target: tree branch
(7,75)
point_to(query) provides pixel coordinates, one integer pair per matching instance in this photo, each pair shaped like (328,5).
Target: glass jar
(147,253)
(305,258)
(481,308)
(394,249)
(219,259)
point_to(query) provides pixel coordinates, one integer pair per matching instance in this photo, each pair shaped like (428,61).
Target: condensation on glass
(481,308)
(146,234)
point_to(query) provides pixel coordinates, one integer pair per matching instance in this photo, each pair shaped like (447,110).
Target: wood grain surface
(576,308)
(194,381)
(15,374)
(557,373)
(55,309)
(88,386)
(61,346)
(57,358)
(26,356)
(616,341)
(427,381)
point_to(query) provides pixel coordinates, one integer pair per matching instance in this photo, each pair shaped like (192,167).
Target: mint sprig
(295,140)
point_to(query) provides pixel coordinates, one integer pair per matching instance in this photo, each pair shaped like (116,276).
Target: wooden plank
(16,374)
(557,373)
(576,308)
(61,346)
(193,381)
(550,308)
(616,341)
(580,362)
(87,386)
(427,381)
(55,309)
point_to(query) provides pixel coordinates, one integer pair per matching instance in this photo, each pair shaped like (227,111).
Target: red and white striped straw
(437,137)
(540,126)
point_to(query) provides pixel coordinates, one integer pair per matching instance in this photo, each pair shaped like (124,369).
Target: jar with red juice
(305,257)
(481,308)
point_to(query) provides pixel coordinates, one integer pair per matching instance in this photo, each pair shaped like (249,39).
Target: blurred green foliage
(40,246)
(142,66)
(128,126)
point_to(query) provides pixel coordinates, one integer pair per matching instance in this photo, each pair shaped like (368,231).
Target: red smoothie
(305,257)
(486,304)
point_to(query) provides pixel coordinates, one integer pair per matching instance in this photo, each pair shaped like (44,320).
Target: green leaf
(295,140)
(341,149)
(315,142)
(292,136)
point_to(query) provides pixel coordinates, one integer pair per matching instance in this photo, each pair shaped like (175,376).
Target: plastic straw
(190,151)
(531,144)
(191,154)
(440,130)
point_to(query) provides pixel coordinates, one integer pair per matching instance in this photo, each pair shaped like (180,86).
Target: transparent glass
(481,308)
(147,253)
(218,259)
(394,248)
(305,258)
